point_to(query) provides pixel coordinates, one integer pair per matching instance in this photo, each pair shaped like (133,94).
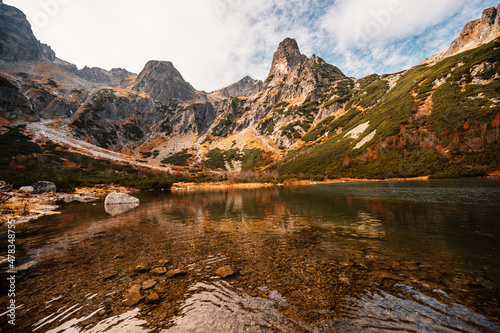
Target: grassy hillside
(24,162)
(441,120)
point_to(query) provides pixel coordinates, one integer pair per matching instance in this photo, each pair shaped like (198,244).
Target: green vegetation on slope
(458,138)
(25,162)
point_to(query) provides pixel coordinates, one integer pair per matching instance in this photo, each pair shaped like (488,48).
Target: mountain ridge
(306,119)
(474,34)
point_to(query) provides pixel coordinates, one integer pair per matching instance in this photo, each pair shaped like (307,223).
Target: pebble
(161,263)
(175,273)
(158,271)
(141,268)
(148,284)
(387,276)
(152,298)
(225,272)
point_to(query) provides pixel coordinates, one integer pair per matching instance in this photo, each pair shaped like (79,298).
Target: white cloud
(360,23)
(213,43)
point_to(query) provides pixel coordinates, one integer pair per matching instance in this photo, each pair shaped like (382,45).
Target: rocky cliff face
(113,78)
(245,87)
(474,34)
(13,104)
(294,75)
(17,42)
(162,82)
(286,106)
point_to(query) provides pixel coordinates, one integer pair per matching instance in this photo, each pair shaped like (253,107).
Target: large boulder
(116,198)
(44,187)
(27,189)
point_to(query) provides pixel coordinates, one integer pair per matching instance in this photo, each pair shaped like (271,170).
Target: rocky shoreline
(25,206)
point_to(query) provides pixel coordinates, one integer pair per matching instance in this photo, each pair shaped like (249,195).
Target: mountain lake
(413,256)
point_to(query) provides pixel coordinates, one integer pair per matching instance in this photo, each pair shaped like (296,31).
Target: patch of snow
(366,139)
(357,131)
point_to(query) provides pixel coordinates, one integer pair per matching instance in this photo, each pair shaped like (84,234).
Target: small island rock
(27,189)
(116,198)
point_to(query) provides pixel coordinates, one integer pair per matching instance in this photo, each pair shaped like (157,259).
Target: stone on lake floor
(108,276)
(27,266)
(133,296)
(382,275)
(152,298)
(116,198)
(158,271)
(161,263)
(148,284)
(44,187)
(175,273)
(225,272)
(27,189)
(132,299)
(142,268)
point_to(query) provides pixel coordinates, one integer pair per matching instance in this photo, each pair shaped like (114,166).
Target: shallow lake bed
(415,256)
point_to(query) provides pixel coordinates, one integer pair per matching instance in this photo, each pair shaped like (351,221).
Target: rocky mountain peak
(17,42)
(244,87)
(474,33)
(162,82)
(286,58)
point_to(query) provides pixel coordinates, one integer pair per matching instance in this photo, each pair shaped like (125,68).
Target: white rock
(116,198)
(27,189)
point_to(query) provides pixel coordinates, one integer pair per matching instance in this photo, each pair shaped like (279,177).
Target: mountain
(162,82)
(17,42)
(244,87)
(474,34)
(306,120)
(35,83)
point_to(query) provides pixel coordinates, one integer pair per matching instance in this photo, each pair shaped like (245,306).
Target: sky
(214,43)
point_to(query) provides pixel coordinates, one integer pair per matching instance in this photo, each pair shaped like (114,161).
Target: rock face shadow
(120,208)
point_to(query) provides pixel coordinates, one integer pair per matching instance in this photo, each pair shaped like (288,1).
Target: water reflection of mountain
(314,247)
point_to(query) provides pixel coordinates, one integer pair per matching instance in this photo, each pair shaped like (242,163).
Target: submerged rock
(27,266)
(44,187)
(152,298)
(148,284)
(142,268)
(116,198)
(133,296)
(108,276)
(158,271)
(175,273)
(225,272)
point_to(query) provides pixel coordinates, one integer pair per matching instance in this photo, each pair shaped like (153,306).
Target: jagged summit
(17,41)
(294,75)
(162,81)
(286,58)
(474,33)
